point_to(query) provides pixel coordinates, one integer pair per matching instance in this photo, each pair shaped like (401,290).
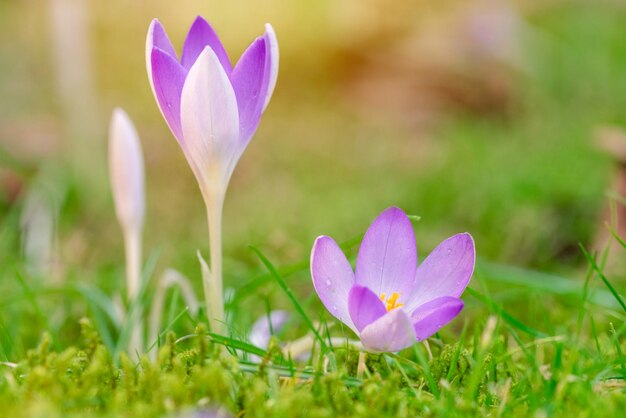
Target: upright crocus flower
(213,110)
(127,183)
(389,301)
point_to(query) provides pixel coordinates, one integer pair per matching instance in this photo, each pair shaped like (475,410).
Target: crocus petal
(388,256)
(250,85)
(127,171)
(157,37)
(364,306)
(210,121)
(272,61)
(391,332)
(201,35)
(168,78)
(332,278)
(432,316)
(445,272)
(263,328)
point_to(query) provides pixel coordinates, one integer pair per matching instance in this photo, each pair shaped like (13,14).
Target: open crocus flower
(213,110)
(389,301)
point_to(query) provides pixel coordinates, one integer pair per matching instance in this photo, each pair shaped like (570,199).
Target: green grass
(562,355)
(542,333)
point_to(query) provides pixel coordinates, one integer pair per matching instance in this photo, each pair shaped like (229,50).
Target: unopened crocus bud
(127,182)
(126,171)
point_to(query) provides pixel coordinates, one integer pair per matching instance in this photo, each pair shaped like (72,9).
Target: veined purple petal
(433,315)
(364,306)
(168,78)
(210,121)
(271,61)
(201,35)
(332,278)
(445,272)
(392,332)
(157,37)
(250,82)
(388,256)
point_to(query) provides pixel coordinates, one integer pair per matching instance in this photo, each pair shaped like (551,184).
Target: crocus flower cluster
(213,109)
(389,301)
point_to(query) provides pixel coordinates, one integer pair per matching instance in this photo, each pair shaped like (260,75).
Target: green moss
(86,381)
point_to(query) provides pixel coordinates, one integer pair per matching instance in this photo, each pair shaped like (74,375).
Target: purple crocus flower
(389,301)
(213,110)
(211,107)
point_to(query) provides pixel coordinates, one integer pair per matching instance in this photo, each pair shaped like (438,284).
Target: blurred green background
(477,116)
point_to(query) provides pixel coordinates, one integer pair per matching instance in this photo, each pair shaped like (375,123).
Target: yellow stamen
(392,301)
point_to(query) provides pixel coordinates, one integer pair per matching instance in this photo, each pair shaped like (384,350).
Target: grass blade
(283,285)
(227,342)
(603,277)
(430,380)
(166,329)
(505,315)
(542,282)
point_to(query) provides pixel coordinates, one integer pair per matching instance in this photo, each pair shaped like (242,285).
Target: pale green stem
(132,243)
(169,279)
(213,287)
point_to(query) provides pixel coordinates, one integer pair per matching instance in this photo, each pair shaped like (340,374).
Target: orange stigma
(392,301)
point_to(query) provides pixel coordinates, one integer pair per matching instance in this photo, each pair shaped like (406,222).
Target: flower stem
(213,287)
(167,280)
(132,243)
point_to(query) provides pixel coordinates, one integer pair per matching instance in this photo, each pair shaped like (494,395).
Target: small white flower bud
(126,169)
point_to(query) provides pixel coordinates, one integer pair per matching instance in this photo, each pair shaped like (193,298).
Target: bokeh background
(487,116)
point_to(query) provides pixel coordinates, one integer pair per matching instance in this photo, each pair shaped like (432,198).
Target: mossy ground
(495,365)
